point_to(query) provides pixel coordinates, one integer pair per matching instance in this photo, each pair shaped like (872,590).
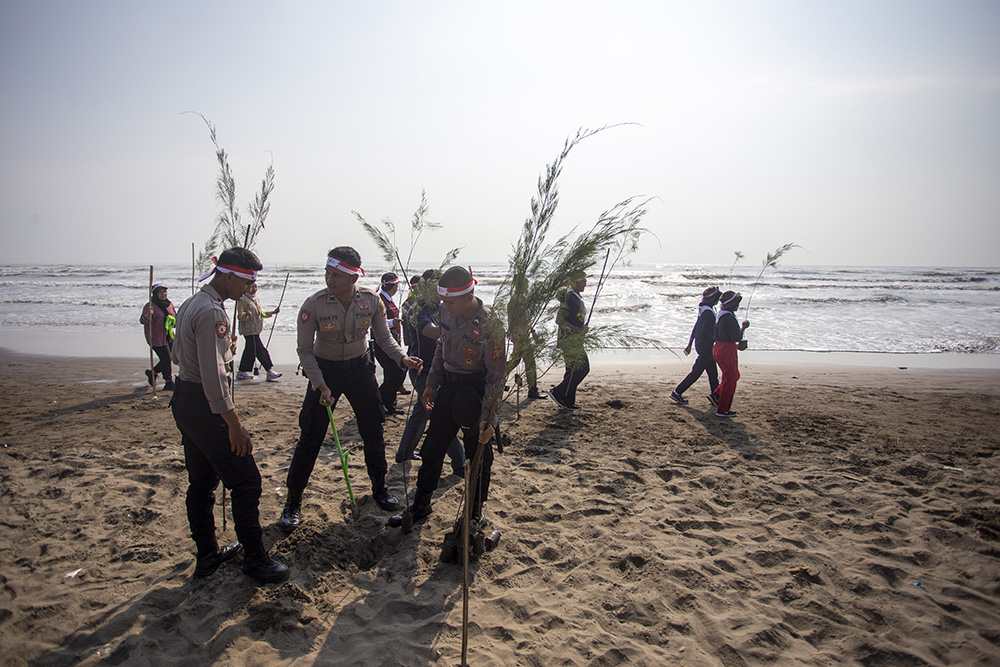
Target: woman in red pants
(728,339)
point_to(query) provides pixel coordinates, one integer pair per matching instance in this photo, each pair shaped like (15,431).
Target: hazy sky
(867,132)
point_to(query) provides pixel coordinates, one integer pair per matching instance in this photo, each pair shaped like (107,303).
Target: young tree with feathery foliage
(386,240)
(230,229)
(539,270)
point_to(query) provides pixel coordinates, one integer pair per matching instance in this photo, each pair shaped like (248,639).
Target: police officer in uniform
(333,330)
(426,330)
(463,389)
(216,445)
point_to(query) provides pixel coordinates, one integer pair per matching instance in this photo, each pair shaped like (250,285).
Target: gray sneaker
(677,398)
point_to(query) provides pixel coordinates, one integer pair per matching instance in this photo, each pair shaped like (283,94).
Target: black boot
(291,516)
(384,499)
(261,567)
(421,508)
(210,560)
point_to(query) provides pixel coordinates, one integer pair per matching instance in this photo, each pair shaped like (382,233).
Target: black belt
(187,387)
(465,378)
(344,364)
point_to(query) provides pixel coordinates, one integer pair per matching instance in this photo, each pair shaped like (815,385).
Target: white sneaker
(273,375)
(243,376)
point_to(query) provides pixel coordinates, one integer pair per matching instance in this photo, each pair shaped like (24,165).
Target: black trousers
(705,363)
(209,458)
(163,365)
(359,386)
(392,377)
(575,372)
(414,430)
(441,432)
(254,348)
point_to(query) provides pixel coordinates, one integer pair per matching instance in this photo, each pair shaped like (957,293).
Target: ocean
(888,310)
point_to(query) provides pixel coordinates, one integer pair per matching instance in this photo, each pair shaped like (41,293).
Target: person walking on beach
(463,389)
(216,444)
(424,335)
(703,337)
(333,328)
(158,318)
(728,340)
(392,374)
(251,317)
(572,322)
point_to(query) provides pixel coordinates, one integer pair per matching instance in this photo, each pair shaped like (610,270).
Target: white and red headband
(344,266)
(459,291)
(391,282)
(736,295)
(248,274)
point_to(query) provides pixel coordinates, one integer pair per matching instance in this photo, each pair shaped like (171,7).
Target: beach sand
(634,532)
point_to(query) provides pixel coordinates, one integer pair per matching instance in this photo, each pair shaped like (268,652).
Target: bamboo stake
(597,289)
(192,269)
(149,319)
(280,301)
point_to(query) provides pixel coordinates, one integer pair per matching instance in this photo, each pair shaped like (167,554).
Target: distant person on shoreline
(572,322)
(703,337)
(157,318)
(251,318)
(216,445)
(728,339)
(392,375)
(332,345)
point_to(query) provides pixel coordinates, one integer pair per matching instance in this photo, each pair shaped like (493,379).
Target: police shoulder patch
(221,329)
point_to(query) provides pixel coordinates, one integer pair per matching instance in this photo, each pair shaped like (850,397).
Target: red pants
(726,356)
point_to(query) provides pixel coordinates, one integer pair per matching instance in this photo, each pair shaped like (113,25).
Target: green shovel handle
(341,453)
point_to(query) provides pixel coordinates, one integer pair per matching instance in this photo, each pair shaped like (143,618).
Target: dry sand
(634,532)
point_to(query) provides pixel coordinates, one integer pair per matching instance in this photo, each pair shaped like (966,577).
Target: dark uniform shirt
(468,346)
(704,330)
(202,349)
(727,329)
(330,329)
(572,308)
(420,345)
